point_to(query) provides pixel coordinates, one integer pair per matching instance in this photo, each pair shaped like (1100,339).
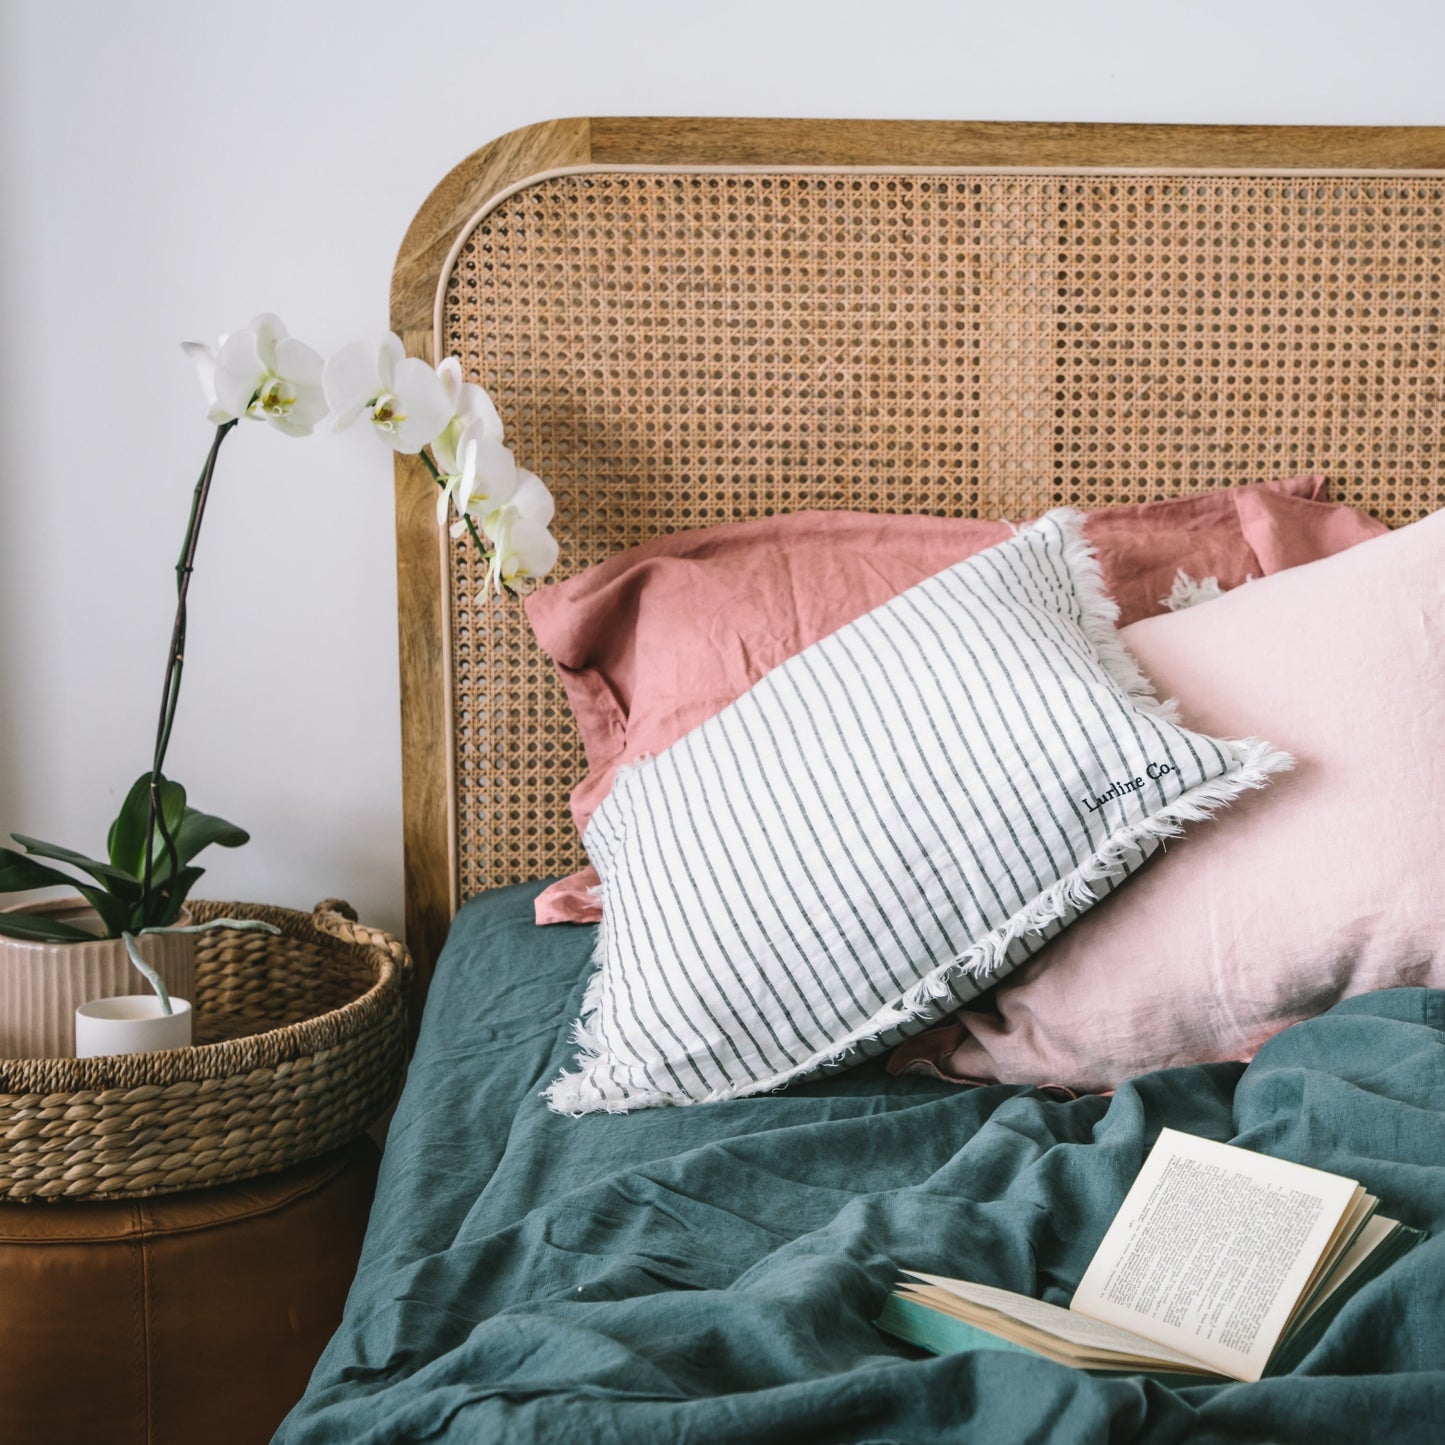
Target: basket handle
(338,905)
(337,916)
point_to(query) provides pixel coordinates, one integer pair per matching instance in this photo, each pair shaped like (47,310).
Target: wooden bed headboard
(686,322)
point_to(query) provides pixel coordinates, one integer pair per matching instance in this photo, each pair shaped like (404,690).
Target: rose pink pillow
(1332,889)
(654,641)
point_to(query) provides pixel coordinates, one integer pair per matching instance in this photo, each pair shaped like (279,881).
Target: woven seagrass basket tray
(300,1042)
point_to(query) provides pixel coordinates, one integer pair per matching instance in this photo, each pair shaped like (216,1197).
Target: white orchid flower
(524,553)
(523,549)
(404,398)
(263,373)
(471,412)
(487,479)
(531,500)
(204,358)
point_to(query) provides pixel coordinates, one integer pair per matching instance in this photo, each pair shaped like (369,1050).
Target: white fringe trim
(1100,616)
(933,996)
(578,1093)
(1187,593)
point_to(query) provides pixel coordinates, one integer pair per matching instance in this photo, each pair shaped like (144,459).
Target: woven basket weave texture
(673,349)
(300,1045)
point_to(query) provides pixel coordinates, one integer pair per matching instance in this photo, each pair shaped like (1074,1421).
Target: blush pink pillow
(1331,888)
(654,641)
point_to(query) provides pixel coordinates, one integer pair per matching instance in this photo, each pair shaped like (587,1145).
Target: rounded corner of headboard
(454,201)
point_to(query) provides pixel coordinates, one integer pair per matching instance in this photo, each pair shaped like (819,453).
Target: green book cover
(943,1335)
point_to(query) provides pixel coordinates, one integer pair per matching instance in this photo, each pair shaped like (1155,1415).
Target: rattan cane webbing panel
(677,349)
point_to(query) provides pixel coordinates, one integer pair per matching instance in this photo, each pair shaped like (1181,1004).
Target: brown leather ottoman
(184,1318)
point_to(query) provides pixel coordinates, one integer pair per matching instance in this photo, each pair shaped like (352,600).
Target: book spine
(938,1333)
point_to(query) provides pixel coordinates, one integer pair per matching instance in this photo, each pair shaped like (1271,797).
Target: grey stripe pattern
(879,830)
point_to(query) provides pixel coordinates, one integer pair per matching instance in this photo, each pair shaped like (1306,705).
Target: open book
(1221,1262)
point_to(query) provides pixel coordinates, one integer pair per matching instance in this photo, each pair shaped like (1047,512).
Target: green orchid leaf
(173,804)
(190,830)
(174,894)
(199,830)
(114,880)
(128,833)
(173,813)
(116,913)
(126,843)
(17,872)
(37,929)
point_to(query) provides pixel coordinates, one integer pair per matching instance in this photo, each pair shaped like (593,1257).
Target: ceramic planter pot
(42,984)
(130,1024)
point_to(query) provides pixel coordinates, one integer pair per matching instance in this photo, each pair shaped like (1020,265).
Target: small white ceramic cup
(130,1024)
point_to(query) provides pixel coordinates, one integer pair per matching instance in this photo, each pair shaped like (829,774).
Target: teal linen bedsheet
(708,1274)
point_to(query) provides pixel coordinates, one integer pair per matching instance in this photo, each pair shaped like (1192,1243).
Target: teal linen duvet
(709,1274)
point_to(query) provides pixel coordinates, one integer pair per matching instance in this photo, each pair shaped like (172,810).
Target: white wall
(170,167)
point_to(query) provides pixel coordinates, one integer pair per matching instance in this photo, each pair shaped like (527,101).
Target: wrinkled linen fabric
(710,1274)
(881,828)
(1333,889)
(656,640)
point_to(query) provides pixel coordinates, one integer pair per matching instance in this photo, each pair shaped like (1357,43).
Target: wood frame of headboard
(560,145)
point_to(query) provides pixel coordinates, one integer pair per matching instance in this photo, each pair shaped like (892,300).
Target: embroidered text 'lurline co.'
(1153,772)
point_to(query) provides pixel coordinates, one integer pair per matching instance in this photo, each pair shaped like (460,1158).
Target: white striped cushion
(880,829)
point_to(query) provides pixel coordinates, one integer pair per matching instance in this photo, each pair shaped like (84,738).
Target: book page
(1062,1324)
(1345,1238)
(1376,1230)
(1211,1250)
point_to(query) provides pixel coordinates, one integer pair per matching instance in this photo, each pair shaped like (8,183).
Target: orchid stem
(440,480)
(175,662)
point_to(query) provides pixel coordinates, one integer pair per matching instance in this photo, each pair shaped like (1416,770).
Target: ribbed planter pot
(42,984)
